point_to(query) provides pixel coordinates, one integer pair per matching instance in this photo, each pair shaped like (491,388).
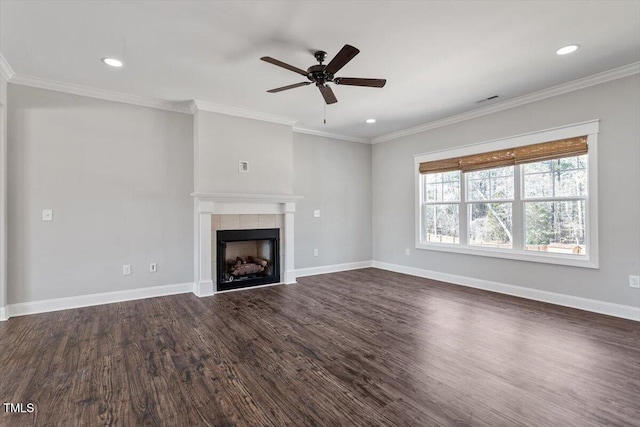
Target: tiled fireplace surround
(220,211)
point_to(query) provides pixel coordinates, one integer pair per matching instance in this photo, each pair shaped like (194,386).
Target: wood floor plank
(357,348)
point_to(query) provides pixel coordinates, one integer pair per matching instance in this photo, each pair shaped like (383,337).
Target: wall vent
(488,99)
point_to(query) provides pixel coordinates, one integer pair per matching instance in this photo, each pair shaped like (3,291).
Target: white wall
(616,104)
(333,176)
(118,178)
(221,141)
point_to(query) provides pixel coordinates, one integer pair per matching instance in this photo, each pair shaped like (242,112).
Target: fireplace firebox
(247,258)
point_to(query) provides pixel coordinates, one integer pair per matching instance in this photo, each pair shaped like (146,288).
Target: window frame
(518,252)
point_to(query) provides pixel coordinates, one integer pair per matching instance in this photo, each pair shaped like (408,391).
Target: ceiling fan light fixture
(565,50)
(112,62)
(370,121)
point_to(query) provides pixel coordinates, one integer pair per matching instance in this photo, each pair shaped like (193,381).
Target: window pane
(497,172)
(538,185)
(556,178)
(442,187)
(571,182)
(502,188)
(490,224)
(440,224)
(555,226)
(538,167)
(490,184)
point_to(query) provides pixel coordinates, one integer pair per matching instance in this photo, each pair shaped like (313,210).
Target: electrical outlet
(47,214)
(634,281)
(153,267)
(315,252)
(126,269)
(316,213)
(407,251)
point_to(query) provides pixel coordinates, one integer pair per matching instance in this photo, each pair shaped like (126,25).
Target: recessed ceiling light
(567,49)
(371,120)
(112,62)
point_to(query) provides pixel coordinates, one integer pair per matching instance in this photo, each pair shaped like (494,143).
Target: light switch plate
(634,281)
(243,166)
(126,269)
(47,214)
(316,213)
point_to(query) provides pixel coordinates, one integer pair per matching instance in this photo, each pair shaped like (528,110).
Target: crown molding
(197,105)
(108,95)
(331,135)
(193,107)
(5,69)
(614,74)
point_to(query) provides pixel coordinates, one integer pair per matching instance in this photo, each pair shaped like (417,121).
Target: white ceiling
(439,57)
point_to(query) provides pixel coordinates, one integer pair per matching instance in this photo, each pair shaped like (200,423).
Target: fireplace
(238,212)
(247,258)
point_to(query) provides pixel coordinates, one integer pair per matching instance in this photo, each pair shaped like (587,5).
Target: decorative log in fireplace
(247,258)
(244,267)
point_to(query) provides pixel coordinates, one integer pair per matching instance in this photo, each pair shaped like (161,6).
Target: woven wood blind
(513,156)
(446,165)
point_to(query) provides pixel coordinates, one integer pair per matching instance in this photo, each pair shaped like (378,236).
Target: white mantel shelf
(247,198)
(207,204)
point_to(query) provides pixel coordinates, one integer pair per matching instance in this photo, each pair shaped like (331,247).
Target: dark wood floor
(365,347)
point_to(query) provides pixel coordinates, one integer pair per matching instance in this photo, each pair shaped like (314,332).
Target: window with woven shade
(529,197)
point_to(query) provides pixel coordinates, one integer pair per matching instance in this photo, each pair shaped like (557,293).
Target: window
(441,209)
(555,195)
(531,197)
(490,208)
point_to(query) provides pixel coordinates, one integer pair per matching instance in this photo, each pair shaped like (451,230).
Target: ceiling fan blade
(284,65)
(328,95)
(352,81)
(345,55)
(280,89)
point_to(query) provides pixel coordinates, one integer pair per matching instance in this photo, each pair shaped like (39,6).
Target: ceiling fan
(322,74)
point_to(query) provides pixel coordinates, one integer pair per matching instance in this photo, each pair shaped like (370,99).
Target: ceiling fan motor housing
(318,75)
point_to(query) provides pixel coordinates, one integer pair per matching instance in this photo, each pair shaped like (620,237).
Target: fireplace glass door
(247,258)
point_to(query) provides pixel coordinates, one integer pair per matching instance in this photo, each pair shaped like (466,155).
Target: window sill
(546,258)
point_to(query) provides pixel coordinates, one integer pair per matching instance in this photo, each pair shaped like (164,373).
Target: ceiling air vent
(487,99)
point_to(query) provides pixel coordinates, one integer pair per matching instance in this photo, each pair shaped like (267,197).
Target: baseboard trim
(334,268)
(595,306)
(602,307)
(45,306)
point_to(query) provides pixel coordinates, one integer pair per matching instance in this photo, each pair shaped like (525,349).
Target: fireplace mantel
(247,198)
(231,203)
(207,204)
